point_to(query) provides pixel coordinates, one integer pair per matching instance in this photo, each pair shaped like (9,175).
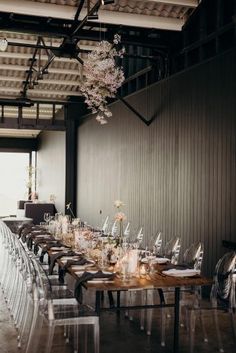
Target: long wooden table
(155,281)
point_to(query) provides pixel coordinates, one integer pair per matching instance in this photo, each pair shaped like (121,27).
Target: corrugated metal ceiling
(64,74)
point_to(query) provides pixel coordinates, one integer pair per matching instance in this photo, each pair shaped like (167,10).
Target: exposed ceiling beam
(30,124)
(28,42)
(27,115)
(159,39)
(187,3)
(41,91)
(44,81)
(28,56)
(54,92)
(106,17)
(135,20)
(50,70)
(31,8)
(6,98)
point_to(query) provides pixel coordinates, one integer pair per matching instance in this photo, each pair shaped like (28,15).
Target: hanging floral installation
(102,77)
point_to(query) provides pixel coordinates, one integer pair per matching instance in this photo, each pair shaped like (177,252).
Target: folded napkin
(181,272)
(87,276)
(49,244)
(31,236)
(63,269)
(55,257)
(26,229)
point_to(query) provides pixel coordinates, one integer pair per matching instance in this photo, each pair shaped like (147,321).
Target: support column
(71,161)
(73,112)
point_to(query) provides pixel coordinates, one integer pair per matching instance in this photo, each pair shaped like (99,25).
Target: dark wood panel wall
(179,174)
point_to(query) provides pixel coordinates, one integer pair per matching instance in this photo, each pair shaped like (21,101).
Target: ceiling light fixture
(3,44)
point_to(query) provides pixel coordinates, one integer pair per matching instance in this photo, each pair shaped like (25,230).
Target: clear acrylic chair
(172,250)
(157,243)
(61,311)
(114,228)
(127,230)
(105,226)
(222,299)
(16,283)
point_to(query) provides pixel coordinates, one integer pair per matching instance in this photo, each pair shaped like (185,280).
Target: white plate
(43,236)
(181,273)
(162,260)
(67,258)
(79,273)
(147,259)
(78,267)
(100,280)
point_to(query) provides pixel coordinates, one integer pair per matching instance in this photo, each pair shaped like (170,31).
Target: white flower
(118,203)
(102,77)
(103,122)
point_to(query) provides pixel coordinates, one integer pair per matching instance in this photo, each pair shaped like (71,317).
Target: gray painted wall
(177,175)
(51,167)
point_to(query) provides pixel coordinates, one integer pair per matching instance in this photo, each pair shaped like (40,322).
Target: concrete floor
(120,335)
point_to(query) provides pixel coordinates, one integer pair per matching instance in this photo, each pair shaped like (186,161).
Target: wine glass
(47,217)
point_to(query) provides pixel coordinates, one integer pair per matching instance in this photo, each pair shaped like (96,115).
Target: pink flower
(120,216)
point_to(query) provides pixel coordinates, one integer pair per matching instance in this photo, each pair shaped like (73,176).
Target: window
(14,181)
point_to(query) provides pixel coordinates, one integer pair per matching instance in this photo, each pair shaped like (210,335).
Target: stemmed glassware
(47,217)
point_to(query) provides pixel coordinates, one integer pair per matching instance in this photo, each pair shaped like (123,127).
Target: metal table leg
(98,302)
(176,320)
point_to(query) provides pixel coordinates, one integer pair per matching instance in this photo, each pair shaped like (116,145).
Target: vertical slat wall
(177,175)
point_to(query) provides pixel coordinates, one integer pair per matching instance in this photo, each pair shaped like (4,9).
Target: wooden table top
(155,280)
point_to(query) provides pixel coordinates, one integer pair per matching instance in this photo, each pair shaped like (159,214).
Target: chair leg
(142,312)
(233,320)
(149,311)
(192,322)
(220,344)
(51,330)
(96,336)
(163,327)
(34,335)
(76,337)
(205,337)
(86,339)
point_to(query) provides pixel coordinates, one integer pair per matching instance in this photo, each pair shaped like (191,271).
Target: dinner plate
(58,248)
(103,273)
(66,258)
(162,260)
(145,260)
(79,273)
(43,236)
(100,280)
(181,273)
(78,267)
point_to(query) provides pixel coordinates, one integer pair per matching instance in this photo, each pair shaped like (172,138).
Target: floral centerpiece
(102,77)
(120,217)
